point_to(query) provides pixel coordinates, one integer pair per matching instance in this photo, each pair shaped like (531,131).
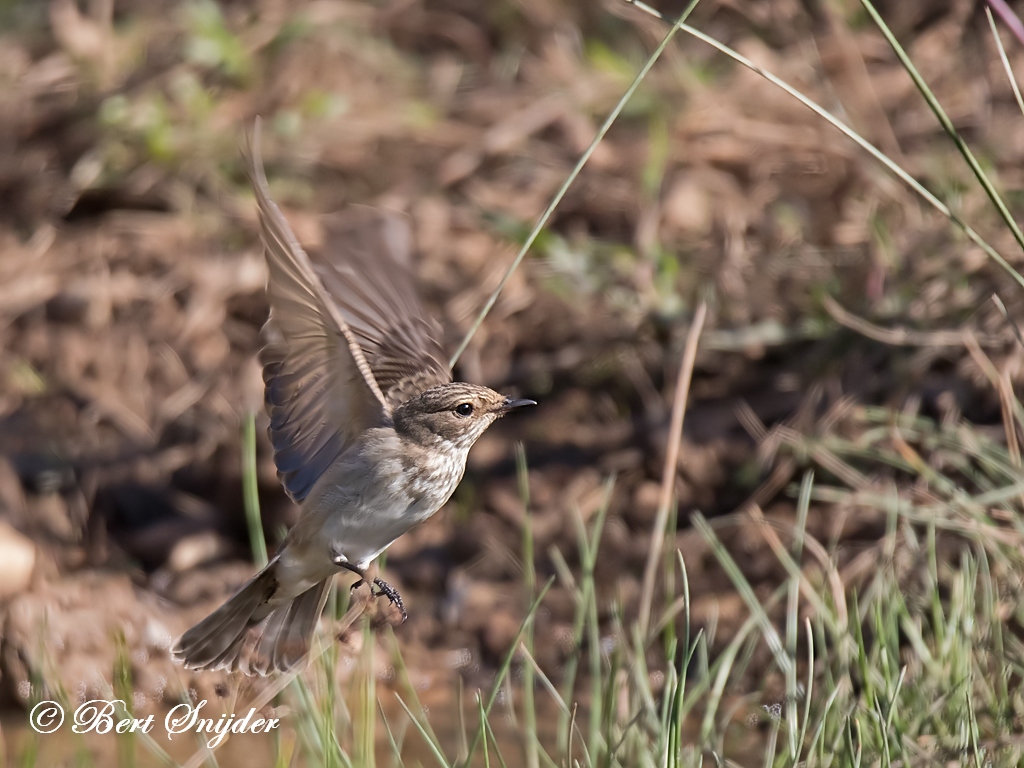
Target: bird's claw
(384,590)
(391,594)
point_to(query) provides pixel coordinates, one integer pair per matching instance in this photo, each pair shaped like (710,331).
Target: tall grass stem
(250,492)
(668,477)
(543,220)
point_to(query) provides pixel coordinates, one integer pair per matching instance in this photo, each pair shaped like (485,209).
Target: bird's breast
(433,476)
(389,479)
(374,495)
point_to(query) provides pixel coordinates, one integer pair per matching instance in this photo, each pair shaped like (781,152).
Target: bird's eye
(464,409)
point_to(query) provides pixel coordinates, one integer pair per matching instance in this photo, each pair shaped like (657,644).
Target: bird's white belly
(360,537)
(363,516)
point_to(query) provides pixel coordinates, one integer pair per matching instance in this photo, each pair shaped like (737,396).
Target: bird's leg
(384,588)
(342,562)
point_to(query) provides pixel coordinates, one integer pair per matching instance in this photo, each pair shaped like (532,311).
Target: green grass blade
(1004,60)
(250,492)
(392,741)
(543,220)
(808,694)
(435,748)
(530,585)
(507,665)
(793,613)
(742,585)
(947,124)
(884,159)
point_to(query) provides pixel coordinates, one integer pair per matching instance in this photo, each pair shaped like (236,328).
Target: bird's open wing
(320,391)
(364,266)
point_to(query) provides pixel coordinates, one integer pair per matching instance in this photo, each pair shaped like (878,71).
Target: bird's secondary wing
(364,265)
(320,391)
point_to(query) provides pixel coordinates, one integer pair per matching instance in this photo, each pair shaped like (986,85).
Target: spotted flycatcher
(370,434)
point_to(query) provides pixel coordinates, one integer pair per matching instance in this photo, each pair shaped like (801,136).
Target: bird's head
(455,414)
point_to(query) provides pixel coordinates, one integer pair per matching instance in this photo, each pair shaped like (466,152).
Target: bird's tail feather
(285,639)
(217,641)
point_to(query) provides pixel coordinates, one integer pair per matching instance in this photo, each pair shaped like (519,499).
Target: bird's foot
(391,594)
(383,588)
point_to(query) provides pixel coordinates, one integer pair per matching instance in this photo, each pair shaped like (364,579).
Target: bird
(370,433)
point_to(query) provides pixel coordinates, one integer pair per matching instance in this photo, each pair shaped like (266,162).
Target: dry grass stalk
(668,477)
(900,337)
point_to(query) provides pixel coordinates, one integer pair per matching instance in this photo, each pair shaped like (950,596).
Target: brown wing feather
(320,391)
(364,266)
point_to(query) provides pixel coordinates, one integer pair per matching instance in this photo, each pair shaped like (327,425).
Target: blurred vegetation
(842,581)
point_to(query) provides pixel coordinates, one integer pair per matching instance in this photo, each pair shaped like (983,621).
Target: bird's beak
(511,404)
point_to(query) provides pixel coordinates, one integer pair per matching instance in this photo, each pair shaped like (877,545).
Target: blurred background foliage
(131,297)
